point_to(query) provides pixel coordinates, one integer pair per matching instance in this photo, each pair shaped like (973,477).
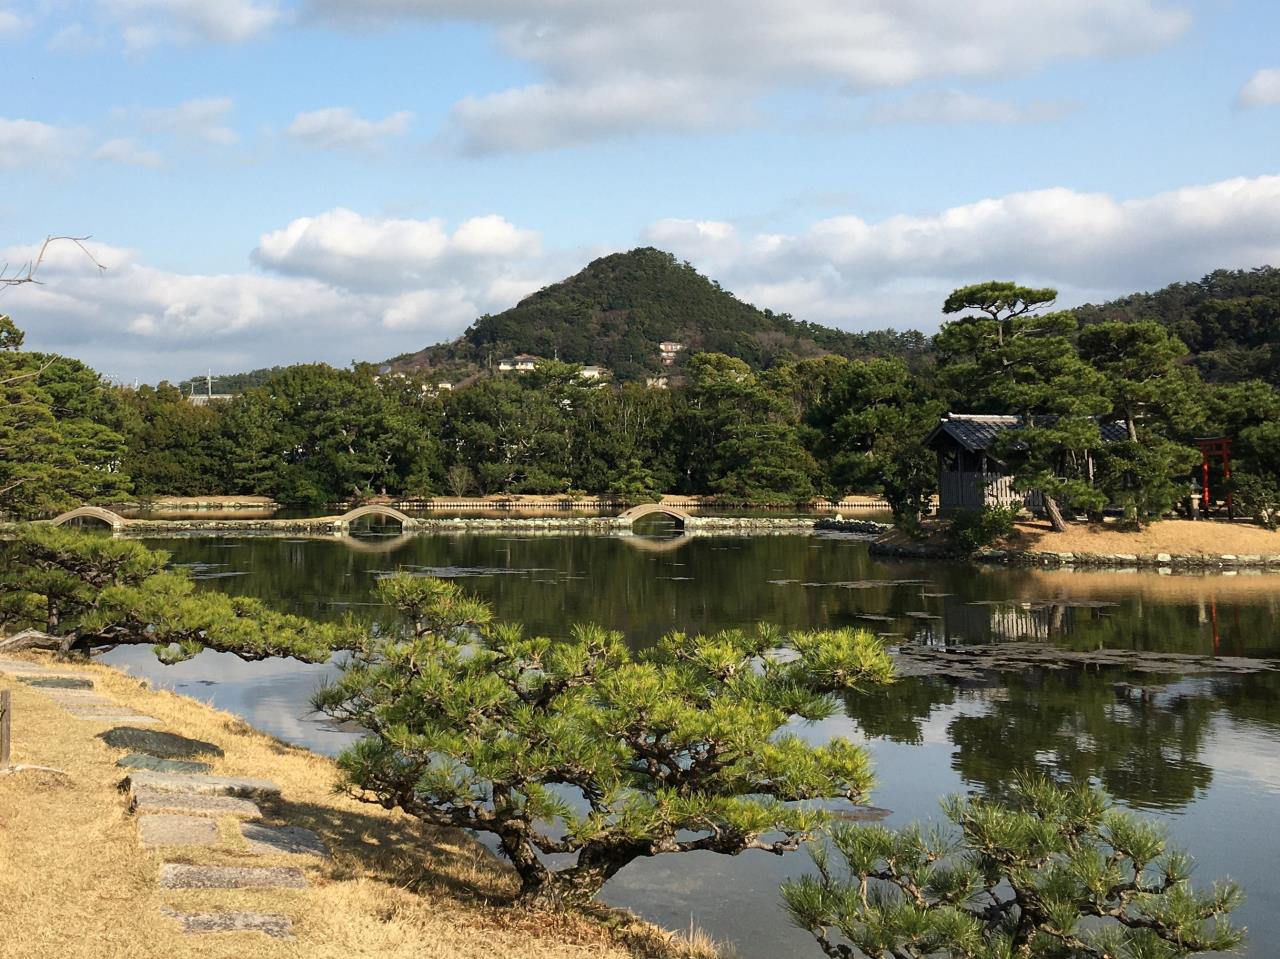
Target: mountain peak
(620,309)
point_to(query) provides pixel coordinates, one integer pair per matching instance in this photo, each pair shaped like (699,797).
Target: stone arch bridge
(627,519)
(114,520)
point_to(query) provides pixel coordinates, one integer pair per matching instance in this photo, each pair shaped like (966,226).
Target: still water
(1201,753)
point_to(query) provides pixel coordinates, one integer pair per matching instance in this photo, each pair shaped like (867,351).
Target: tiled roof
(977,432)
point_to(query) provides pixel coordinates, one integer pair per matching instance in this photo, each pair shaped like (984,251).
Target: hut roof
(977,432)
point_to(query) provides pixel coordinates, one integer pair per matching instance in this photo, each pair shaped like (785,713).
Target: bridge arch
(648,509)
(346,519)
(114,520)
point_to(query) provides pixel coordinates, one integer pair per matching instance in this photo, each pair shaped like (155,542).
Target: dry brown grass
(75,883)
(1208,538)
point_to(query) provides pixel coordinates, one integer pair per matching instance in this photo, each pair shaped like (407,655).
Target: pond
(1198,749)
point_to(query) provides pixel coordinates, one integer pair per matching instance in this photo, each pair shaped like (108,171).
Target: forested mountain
(229,382)
(617,311)
(1230,321)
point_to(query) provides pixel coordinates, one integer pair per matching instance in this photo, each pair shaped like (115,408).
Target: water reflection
(1202,748)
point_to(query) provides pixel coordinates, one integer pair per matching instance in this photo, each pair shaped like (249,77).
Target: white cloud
(599,57)
(11,24)
(73,38)
(958,107)
(26,142)
(343,127)
(343,247)
(128,152)
(1262,90)
(545,116)
(147,23)
(898,270)
(343,285)
(200,119)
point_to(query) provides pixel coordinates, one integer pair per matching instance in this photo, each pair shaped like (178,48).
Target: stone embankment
(590,524)
(1051,560)
(867,526)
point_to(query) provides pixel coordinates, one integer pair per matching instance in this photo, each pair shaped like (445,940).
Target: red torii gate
(1215,447)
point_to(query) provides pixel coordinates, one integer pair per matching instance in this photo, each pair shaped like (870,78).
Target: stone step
(274,840)
(57,682)
(200,923)
(156,743)
(82,697)
(175,875)
(156,764)
(199,784)
(164,829)
(143,801)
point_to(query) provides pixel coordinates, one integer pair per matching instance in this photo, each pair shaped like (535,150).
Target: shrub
(1058,873)
(1258,497)
(973,529)
(581,756)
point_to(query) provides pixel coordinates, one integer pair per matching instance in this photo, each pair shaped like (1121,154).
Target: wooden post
(6,708)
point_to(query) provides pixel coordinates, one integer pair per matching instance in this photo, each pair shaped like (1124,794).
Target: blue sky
(270,181)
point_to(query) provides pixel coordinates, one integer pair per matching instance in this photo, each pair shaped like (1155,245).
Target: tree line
(827,426)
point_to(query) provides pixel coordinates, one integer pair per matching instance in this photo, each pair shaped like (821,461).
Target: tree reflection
(1142,743)
(897,712)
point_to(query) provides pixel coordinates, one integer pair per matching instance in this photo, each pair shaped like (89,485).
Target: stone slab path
(160,744)
(273,840)
(190,804)
(277,927)
(178,803)
(177,875)
(156,764)
(200,784)
(166,829)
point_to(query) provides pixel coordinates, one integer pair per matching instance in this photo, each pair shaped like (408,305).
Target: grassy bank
(75,883)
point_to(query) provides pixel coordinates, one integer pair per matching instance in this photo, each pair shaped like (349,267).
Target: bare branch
(27,272)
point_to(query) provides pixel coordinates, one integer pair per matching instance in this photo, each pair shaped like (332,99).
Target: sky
(276,181)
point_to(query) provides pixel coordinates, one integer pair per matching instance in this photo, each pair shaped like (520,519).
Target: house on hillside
(970,475)
(668,350)
(593,372)
(520,363)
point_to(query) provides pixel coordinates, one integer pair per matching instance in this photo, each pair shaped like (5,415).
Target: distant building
(521,363)
(593,372)
(444,386)
(668,349)
(970,476)
(656,382)
(204,399)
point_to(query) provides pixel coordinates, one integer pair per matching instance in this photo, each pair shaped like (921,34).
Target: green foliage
(738,437)
(59,439)
(1055,873)
(313,435)
(88,590)
(1229,320)
(973,529)
(1010,359)
(866,426)
(1259,497)
(618,309)
(584,750)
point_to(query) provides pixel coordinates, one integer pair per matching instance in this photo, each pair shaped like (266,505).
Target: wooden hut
(970,476)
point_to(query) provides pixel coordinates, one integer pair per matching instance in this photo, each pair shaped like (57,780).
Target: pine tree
(1005,356)
(1056,873)
(584,751)
(84,591)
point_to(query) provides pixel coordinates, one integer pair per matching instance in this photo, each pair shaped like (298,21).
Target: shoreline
(393,888)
